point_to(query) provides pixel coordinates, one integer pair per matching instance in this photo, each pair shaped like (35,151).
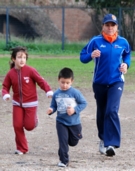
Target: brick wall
(78,24)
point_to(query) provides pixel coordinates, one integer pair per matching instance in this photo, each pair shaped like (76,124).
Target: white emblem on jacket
(26,79)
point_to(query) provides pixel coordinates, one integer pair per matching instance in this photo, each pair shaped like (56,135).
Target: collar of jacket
(109,38)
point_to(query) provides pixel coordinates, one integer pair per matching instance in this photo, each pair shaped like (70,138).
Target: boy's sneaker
(102,149)
(18,152)
(60,164)
(110,151)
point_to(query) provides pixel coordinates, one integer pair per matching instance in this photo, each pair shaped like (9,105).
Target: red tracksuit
(25,101)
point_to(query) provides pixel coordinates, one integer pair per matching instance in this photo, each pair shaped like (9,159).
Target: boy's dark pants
(67,135)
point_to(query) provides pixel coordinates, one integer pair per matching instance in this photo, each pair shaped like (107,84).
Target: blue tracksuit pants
(108,102)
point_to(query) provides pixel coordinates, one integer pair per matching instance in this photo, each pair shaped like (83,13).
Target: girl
(23,80)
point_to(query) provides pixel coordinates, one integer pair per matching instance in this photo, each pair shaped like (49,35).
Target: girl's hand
(70,110)
(49,96)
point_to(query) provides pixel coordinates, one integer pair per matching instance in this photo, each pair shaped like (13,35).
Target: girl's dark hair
(66,73)
(14,53)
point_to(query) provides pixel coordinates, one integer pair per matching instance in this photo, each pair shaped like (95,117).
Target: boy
(68,102)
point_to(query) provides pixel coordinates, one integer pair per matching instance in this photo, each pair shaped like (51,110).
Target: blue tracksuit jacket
(112,55)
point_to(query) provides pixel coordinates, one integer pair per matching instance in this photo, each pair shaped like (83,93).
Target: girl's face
(65,83)
(110,28)
(20,60)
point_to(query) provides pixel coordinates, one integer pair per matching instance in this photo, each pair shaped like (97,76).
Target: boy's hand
(70,110)
(49,111)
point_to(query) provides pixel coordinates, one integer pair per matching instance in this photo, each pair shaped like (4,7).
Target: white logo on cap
(113,17)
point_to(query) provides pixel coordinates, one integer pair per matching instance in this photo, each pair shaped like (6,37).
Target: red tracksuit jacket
(23,84)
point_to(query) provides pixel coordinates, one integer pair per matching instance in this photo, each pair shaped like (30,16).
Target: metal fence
(57,24)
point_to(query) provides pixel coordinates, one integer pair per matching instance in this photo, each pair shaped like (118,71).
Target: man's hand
(96,53)
(123,68)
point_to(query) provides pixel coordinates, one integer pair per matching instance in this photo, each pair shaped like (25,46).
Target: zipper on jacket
(20,86)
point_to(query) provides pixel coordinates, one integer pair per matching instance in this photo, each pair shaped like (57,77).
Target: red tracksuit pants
(23,118)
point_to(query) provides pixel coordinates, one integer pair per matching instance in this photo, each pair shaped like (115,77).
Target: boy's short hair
(66,73)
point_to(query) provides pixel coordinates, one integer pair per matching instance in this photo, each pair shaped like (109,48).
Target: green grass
(133,53)
(42,47)
(50,66)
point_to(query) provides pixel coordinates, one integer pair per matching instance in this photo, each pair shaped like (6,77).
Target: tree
(123,9)
(98,4)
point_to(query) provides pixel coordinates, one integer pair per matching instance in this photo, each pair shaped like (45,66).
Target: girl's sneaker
(18,152)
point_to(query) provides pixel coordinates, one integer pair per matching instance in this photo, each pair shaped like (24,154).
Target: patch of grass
(133,53)
(49,68)
(42,47)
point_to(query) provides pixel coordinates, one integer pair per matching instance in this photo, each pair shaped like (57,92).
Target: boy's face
(20,60)
(65,83)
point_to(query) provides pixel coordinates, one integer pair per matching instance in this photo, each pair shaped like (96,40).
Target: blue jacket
(62,99)
(112,55)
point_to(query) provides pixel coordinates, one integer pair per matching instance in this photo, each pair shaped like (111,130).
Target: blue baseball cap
(110,18)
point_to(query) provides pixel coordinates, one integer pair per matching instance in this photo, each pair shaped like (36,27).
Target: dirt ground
(43,144)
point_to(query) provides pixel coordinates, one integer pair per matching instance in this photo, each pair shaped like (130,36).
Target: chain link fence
(55,24)
(61,24)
